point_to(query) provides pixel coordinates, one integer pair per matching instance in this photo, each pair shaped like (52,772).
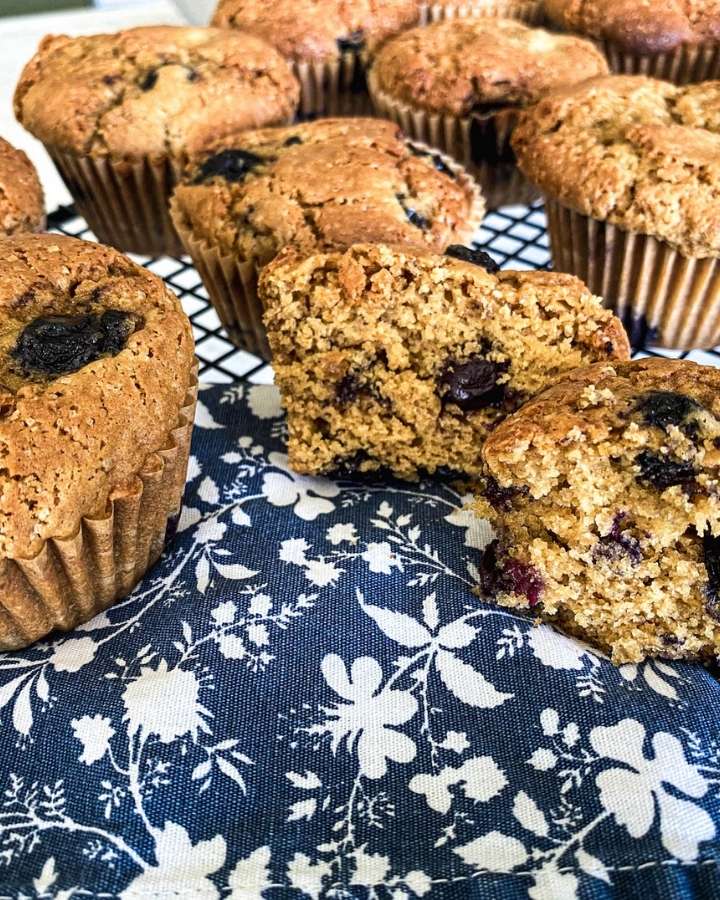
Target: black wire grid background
(515,236)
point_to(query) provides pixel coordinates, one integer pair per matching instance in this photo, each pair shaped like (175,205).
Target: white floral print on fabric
(307,698)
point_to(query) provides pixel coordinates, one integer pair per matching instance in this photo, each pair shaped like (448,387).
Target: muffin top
(640,26)
(96,357)
(22,206)
(471,66)
(639,153)
(324,184)
(158,91)
(314,30)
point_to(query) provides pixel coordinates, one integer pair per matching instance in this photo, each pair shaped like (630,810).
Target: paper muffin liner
(528,11)
(661,296)
(479,143)
(688,64)
(334,88)
(232,284)
(74,578)
(124,203)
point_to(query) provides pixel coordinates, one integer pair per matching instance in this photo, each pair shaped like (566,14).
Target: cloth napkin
(306,698)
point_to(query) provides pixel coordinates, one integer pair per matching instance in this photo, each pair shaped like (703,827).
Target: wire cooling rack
(516,236)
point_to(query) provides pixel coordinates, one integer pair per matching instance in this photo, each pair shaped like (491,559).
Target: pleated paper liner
(528,11)
(232,284)
(662,297)
(335,87)
(74,578)
(688,64)
(480,143)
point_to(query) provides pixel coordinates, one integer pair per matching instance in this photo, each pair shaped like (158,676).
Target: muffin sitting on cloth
(97,393)
(459,85)
(630,168)
(22,205)
(328,184)
(326,41)
(678,40)
(120,114)
(605,492)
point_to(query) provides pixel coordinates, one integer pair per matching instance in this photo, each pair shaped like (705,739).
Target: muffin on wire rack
(327,42)
(459,85)
(676,40)
(97,395)
(328,183)
(630,170)
(120,113)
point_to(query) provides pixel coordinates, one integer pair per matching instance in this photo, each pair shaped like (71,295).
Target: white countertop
(19,36)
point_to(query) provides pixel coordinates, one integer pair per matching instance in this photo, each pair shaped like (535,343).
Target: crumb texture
(640,26)
(639,153)
(399,360)
(310,30)
(22,205)
(158,91)
(328,183)
(468,66)
(96,358)
(604,491)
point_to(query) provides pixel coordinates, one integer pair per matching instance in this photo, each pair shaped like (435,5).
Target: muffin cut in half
(97,392)
(393,358)
(605,494)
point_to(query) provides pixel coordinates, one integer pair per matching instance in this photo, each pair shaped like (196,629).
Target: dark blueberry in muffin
(663,472)
(348,389)
(618,544)
(57,345)
(436,158)
(500,497)
(473,384)
(232,165)
(413,216)
(149,80)
(711,553)
(665,408)
(502,574)
(476,257)
(292,141)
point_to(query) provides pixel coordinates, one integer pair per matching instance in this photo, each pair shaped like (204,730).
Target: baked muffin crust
(328,183)
(641,26)
(465,66)
(96,358)
(22,206)
(313,30)
(639,153)
(155,91)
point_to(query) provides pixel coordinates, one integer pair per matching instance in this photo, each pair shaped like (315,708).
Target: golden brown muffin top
(95,361)
(639,153)
(22,204)
(329,183)
(312,30)
(157,91)
(640,26)
(464,66)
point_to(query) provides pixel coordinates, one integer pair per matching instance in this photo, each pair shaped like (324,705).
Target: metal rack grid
(515,236)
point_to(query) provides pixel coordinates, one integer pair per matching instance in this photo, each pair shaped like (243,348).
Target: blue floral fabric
(307,699)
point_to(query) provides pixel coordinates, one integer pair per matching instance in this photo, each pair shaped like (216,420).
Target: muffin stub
(605,494)
(389,358)
(22,205)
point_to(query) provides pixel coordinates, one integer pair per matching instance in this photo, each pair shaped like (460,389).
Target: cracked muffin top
(636,152)
(157,91)
(640,26)
(22,204)
(96,357)
(329,184)
(314,30)
(471,66)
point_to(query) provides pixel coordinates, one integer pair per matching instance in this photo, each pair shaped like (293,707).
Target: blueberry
(292,141)
(436,158)
(665,408)
(502,574)
(57,345)
(148,82)
(348,389)
(662,472)
(413,216)
(711,553)
(353,43)
(473,384)
(232,165)
(476,257)
(618,544)
(500,497)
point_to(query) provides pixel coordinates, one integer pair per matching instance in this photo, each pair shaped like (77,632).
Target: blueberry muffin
(97,393)
(329,183)
(529,11)
(22,206)
(121,113)
(678,40)
(460,84)
(605,495)
(630,169)
(390,358)
(327,43)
